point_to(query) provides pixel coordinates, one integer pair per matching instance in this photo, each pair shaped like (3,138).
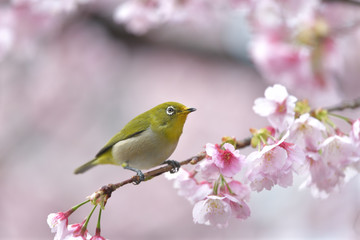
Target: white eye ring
(170,110)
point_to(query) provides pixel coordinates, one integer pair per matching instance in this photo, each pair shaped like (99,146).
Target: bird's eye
(170,110)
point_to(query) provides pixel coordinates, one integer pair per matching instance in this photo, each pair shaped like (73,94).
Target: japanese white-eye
(146,141)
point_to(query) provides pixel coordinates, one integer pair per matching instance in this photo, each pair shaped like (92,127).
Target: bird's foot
(139,173)
(175,164)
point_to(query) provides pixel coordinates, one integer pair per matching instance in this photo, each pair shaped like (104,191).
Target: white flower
(214,210)
(52,6)
(355,131)
(329,167)
(141,16)
(188,187)
(58,223)
(274,164)
(278,106)
(307,132)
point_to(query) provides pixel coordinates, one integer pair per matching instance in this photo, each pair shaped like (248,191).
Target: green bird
(146,141)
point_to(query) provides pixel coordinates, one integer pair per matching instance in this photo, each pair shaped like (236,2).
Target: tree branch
(353,2)
(345,105)
(192,160)
(104,193)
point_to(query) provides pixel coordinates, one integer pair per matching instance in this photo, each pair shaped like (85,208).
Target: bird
(146,141)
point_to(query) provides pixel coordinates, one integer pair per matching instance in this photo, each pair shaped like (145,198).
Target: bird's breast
(144,151)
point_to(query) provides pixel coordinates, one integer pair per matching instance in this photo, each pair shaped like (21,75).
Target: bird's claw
(141,177)
(139,174)
(175,165)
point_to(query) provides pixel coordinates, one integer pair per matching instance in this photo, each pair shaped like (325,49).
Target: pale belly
(144,151)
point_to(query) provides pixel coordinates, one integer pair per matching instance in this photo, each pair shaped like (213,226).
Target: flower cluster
(58,223)
(24,22)
(218,196)
(294,43)
(297,44)
(140,16)
(298,141)
(311,145)
(50,7)
(274,164)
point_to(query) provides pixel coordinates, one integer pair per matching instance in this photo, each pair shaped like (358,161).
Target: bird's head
(169,118)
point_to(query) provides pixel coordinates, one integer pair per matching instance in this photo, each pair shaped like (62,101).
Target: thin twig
(353,2)
(345,105)
(243,143)
(158,171)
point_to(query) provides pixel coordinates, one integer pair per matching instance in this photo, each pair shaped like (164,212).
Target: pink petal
(210,149)
(208,170)
(212,211)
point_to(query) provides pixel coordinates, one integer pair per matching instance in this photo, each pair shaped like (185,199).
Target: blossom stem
(226,183)
(222,181)
(263,140)
(73,209)
(98,223)
(216,186)
(84,227)
(272,137)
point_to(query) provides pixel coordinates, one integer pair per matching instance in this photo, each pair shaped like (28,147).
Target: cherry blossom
(51,7)
(216,200)
(75,232)
(355,137)
(239,208)
(307,132)
(282,61)
(274,164)
(278,106)
(7,23)
(239,189)
(208,170)
(141,16)
(58,222)
(294,45)
(188,187)
(339,151)
(328,169)
(228,160)
(97,237)
(236,194)
(214,210)
(355,132)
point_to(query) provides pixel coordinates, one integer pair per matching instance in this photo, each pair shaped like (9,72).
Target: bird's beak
(189,110)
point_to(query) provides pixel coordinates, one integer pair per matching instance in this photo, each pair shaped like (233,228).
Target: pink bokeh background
(61,106)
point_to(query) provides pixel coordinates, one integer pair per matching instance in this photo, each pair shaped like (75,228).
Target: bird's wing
(132,129)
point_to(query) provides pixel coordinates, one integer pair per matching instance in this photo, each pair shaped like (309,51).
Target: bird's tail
(83,168)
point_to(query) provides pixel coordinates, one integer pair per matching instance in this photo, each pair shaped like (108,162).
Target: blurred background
(63,99)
